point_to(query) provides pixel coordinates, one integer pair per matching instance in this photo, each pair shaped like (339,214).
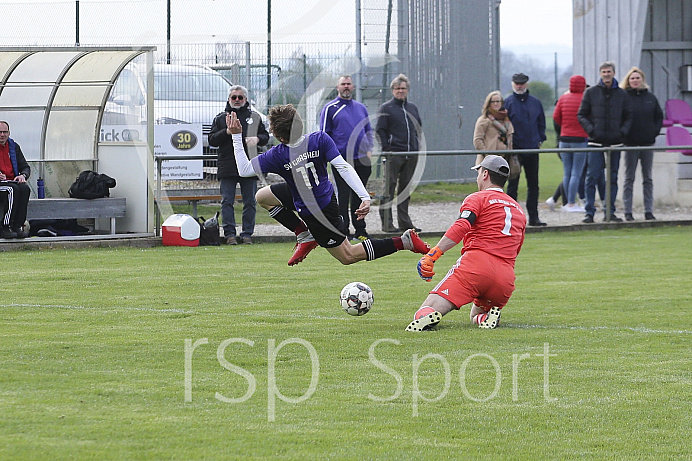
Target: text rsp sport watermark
(418,363)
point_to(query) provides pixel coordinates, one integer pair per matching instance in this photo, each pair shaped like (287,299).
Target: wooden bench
(193,199)
(75,208)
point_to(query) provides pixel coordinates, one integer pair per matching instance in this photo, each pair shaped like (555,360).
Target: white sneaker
(572,208)
(551,203)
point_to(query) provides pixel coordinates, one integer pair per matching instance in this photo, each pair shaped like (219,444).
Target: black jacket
(252,126)
(605,114)
(398,126)
(647,118)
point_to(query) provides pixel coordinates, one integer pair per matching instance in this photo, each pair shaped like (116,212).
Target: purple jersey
(304,167)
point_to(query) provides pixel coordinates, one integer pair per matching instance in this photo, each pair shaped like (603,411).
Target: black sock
(378,248)
(286,218)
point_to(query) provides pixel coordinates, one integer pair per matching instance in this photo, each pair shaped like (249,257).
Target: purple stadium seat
(678,112)
(679,136)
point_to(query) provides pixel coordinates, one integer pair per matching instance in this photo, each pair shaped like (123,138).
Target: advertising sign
(179,139)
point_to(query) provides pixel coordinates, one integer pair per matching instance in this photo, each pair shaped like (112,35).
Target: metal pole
(77,23)
(556,77)
(168,32)
(387,38)
(269,54)
(496,44)
(606,206)
(248,70)
(359,53)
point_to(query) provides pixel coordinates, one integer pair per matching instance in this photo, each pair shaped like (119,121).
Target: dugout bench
(77,208)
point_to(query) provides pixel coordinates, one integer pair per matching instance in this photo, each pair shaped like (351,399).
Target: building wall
(448,53)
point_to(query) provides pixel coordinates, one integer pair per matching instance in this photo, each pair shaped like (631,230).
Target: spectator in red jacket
(572,136)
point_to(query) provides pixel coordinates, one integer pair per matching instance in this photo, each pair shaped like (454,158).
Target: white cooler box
(180,230)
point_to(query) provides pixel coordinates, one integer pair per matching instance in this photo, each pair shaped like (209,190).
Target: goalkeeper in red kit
(491,225)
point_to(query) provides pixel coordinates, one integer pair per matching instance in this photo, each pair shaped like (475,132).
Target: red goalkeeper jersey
(490,221)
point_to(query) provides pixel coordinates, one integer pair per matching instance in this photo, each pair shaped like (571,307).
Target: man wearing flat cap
(491,225)
(528,118)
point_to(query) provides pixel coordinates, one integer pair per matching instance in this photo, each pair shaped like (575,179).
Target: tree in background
(511,63)
(544,92)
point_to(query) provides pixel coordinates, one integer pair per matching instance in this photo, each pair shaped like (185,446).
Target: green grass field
(228,353)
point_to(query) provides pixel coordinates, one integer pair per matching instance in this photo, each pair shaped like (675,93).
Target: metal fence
(377,187)
(448,49)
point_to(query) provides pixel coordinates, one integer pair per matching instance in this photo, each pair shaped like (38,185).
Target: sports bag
(90,184)
(209,231)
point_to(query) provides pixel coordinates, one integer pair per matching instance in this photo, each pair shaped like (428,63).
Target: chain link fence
(444,46)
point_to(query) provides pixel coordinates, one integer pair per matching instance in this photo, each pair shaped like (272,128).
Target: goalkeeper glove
(427,264)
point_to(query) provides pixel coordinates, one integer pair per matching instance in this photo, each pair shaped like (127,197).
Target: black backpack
(90,184)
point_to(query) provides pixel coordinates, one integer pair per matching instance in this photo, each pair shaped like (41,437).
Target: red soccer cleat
(301,251)
(413,243)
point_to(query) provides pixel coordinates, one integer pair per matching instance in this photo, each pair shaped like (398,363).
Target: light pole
(76,23)
(168,32)
(269,54)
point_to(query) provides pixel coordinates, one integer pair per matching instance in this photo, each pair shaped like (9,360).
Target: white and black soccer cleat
(427,321)
(492,320)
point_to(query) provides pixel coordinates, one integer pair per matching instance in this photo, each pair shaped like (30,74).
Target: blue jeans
(595,177)
(248,189)
(595,163)
(572,166)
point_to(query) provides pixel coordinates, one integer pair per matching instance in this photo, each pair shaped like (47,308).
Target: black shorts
(328,229)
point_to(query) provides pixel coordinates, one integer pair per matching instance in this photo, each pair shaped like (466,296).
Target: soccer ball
(356,298)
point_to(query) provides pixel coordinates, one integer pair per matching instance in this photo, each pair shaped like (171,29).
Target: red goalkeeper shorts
(478,277)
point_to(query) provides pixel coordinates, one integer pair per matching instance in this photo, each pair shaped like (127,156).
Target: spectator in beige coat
(493,129)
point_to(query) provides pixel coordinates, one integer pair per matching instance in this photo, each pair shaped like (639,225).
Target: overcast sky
(529,26)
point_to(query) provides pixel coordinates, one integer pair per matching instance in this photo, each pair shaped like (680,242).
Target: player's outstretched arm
(351,177)
(245,168)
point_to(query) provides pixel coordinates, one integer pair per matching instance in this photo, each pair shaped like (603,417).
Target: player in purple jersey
(306,203)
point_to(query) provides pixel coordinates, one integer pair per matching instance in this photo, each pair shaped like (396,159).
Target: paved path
(436,218)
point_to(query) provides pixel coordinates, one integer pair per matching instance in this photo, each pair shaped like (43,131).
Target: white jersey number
(304,170)
(508,221)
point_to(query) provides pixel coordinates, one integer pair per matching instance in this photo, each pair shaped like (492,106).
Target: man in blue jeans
(528,118)
(254,134)
(606,117)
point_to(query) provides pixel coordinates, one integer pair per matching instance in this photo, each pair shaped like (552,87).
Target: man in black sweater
(606,117)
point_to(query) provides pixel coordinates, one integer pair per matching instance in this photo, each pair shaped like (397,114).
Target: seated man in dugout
(14,190)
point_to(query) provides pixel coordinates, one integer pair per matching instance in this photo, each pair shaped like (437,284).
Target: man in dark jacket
(528,118)
(606,117)
(398,127)
(254,134)
(14,191)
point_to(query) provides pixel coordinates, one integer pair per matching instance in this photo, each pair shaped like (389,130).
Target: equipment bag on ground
(209,231)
